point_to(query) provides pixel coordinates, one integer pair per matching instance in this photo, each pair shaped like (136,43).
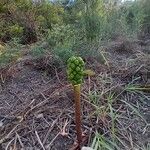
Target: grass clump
(9,56)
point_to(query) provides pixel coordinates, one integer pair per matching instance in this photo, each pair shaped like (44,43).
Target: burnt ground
(37,107)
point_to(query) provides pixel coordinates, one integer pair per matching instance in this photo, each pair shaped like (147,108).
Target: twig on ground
(49,145)
(63,130)
(50,129)
(8,135)
(36,106)
(39,140)
(19,139)
(58,76)
(15,142)
(9,144)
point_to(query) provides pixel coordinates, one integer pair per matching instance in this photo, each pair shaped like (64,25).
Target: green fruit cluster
(75,70)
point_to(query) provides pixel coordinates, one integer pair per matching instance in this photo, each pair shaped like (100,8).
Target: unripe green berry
(72,66)
(78,69)
(76,62)
(71,76)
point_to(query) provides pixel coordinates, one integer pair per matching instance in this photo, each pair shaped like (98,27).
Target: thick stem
(77,92)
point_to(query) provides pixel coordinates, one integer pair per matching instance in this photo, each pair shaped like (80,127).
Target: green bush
(60,35)
(15,30)
(38,51)
(63,53)
(9,56)
(84,22)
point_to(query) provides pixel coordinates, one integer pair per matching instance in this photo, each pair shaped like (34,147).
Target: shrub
(60,35)
(9,56)
(63,53)
(38,51)
(16,30)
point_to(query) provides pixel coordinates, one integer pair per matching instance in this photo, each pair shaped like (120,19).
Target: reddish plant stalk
(77,93)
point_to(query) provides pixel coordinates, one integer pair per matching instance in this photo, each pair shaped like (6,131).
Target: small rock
(1,123)
(87,148)
(39,116)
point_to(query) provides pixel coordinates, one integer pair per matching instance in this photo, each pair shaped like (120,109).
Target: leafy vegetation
(68,29)
(93,20)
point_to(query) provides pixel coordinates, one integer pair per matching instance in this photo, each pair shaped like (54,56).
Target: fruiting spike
(75,70)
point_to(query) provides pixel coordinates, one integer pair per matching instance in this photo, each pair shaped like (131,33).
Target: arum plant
(76,72)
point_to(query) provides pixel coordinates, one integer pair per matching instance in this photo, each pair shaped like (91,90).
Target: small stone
(1,123)
(39,116)
(87,148)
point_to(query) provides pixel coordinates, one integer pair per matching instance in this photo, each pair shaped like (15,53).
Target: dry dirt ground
(37,108)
